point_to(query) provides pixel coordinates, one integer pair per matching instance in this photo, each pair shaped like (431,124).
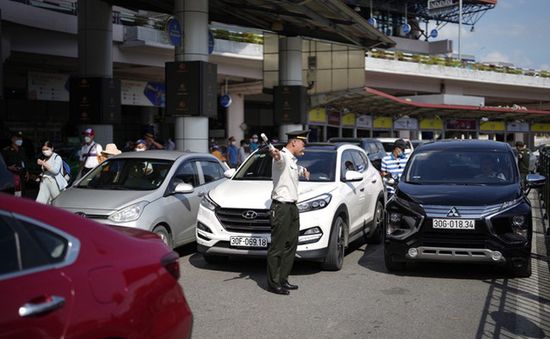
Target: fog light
(413,252)
(395,217)
(496,256)
(518,220)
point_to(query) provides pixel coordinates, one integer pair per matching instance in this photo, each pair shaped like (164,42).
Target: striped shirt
(394,166)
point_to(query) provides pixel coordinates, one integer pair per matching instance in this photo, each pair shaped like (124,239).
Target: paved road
(364,301)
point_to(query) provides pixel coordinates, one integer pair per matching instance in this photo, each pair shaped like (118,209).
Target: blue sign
(155,93)
(433,33)
(174,31)
(211,42)
(225,101)
(372,21)
(406,28)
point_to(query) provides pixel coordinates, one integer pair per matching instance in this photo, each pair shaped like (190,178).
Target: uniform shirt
(394,166)
(285,173)
(91,159)
(523,161)
(15,157)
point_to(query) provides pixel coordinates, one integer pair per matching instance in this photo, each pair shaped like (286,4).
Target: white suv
(337,205)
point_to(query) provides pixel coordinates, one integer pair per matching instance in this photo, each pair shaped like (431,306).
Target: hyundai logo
(250,215)
(453,213)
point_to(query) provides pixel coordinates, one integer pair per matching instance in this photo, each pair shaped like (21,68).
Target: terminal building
(201,70)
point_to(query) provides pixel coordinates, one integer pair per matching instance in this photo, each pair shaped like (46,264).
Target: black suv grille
(459,240)
(244,220)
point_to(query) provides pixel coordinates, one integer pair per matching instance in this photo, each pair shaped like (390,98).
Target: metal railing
(544,169)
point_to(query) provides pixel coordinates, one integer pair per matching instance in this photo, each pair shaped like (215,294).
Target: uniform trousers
(285,228)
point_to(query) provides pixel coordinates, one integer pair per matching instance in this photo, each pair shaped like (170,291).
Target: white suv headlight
(130,213)
(316,203)
(208,203)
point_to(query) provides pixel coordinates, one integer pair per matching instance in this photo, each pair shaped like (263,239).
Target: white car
(337,205)
(388,145)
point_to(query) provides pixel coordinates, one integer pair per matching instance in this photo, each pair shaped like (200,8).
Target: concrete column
(290,73)
(235,116)
(95,39)
(191,133)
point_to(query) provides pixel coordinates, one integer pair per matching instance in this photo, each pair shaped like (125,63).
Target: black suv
(374,148)
(461,201)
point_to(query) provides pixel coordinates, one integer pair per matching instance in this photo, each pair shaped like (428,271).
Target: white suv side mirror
(353,176)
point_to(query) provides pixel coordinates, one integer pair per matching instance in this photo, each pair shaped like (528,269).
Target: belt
(284,202)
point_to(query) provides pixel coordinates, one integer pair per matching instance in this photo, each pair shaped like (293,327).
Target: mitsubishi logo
(249,215)
(453,213)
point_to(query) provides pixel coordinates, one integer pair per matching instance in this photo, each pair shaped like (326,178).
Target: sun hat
(111,149)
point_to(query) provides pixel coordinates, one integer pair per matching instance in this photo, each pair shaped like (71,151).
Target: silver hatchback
(158,191)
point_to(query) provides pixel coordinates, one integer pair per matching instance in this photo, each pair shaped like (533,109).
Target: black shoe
(288,286)
(277,290)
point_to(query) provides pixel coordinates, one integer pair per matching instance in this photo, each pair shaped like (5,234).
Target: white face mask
(254,140)
(87,140)
(140,149)
(19,142)
(47,153)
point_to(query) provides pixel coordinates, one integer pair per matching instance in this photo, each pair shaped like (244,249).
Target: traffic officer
(284,216)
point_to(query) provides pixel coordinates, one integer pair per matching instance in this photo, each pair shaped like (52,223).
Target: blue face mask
(401,155)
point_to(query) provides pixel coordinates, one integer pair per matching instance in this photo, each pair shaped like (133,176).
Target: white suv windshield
(320,163)
(461,167)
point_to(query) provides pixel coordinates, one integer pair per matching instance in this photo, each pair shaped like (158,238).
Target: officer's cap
(301,135)
(400,143)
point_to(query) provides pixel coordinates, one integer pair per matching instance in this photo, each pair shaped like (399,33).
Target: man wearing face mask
(89,152)
(253,143)
(141,146)
(394,163)
(232,154)
(16,160)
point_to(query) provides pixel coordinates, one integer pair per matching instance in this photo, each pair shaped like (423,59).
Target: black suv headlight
(401,219)
(513,224)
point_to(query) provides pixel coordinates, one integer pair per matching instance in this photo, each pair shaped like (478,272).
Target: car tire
(214,259)
(392,265)
(163,233)
(375,237)
(523,271)
(336,246)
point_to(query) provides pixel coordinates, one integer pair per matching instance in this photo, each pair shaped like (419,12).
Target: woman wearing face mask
(52,181)
(140,146)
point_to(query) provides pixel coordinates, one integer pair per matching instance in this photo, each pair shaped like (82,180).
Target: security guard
(523,159)
(285,219)
(16,160)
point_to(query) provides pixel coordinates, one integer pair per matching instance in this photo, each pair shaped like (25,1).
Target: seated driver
(488,170)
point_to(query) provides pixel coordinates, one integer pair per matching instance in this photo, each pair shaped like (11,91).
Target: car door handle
(36,308)
(362,189)
(374,180)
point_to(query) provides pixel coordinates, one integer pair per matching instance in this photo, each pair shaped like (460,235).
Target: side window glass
(347,163)
(51,246)
(186,173)
(359,161)
(212,171)
(11,261)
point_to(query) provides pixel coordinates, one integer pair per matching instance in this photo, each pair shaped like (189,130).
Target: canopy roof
(329,20)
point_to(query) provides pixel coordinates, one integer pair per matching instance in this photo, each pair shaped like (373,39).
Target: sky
(515,31)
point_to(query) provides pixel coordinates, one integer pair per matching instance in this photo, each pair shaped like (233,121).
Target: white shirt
(91,160)
(285,173)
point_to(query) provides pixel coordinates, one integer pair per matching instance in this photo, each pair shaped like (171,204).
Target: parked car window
(187,173)
(24,245)
(361,164)
(347,164)
(321,165)
(466,167)
(128,174)
(211,170)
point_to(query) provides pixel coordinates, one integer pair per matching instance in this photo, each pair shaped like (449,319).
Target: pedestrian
(52,181)
(232,153)
(140,146)
(110,151)
(88,153)
(216,151)
(170,145)
(242,152)
(523,159)
(151,143)
(394,163)
(16,161)
(253,143)
(284,215)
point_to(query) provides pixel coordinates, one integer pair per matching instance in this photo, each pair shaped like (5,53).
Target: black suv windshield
(320,163)
(127,174)
(476,167)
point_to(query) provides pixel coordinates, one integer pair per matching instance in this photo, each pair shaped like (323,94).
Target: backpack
(66,170)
